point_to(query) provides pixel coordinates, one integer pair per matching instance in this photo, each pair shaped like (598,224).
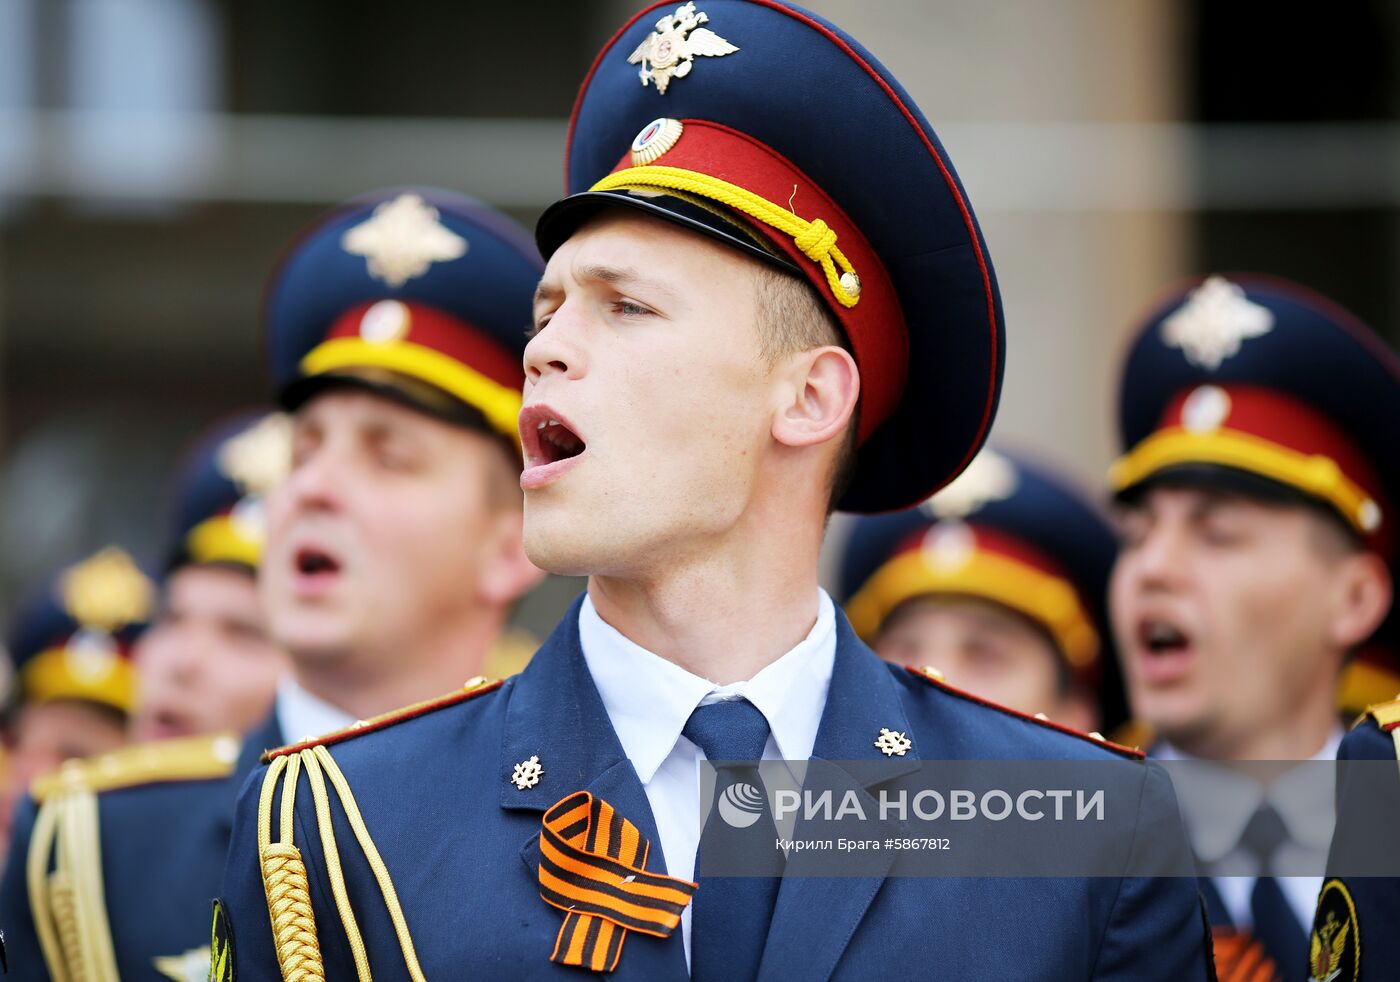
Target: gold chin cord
(64,873)
(284,873)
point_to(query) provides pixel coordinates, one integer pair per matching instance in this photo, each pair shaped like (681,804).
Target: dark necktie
(730,915)
(1275,924)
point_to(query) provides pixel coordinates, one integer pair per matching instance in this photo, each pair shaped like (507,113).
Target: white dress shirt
(1216,816)
(302,716)
(649,699)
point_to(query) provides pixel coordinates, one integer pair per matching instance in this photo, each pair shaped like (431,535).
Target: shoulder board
(478,686)
(1386,714)
(203,758)
(934,677)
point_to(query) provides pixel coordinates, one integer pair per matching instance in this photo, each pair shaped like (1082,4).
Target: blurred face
(44,735)
(984,648)
(647,404)
(1222,611)
(379,533)
(207,665)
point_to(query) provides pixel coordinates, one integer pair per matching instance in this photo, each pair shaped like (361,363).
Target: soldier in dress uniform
(207,664)
(737,293)
(392,558)
(1000,581)
(1256,489)
(71,640)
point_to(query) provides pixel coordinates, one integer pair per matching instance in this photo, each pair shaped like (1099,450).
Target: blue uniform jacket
(163,850)
(1369,906)
(461,844)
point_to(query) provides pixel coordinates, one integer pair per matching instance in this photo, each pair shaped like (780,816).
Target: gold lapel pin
(527,773)
(893,744)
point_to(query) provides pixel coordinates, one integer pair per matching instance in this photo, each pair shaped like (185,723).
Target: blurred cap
(216,502)
(420,295)
(71,637)
(1006,531)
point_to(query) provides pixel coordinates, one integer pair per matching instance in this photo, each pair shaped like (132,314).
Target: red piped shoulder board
(476,687)
(1386,715)
(934,677)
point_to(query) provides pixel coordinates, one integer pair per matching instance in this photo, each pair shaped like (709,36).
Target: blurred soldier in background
(71,641)
(1261,465)
(207,664)
(149,816)
(395,324)
(999,582)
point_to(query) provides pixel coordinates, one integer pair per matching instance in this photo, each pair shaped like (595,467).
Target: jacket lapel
(266,736)
(816,916)
(556,714)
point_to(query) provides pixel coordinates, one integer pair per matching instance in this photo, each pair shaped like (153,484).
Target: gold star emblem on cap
(402,240)
(527,773)
(990,477)
(1214,321)
(107,591)
(669,51)
(259,458)
(892,743)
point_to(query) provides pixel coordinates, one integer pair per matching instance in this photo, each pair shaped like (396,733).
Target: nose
(1158,560)
(311,485)
(555,350)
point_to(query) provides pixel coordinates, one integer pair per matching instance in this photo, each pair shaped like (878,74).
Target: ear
(817,396)
(1363,598)
(506,572)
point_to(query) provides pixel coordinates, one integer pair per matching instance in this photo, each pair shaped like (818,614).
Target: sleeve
(1156,929)
(22,950)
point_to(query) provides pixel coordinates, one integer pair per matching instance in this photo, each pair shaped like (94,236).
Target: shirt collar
(1218,804)
(649,699)
(302,716)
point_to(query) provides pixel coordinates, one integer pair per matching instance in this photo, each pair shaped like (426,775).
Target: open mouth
(1166,652)
(550,443)
(557,441)
(311,561)
(1162,638)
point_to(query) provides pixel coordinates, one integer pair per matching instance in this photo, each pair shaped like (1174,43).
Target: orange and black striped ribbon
(1239,957)
(593,867)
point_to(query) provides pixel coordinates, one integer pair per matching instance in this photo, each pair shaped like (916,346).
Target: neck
(726,614)
(1297,735)
(367,681)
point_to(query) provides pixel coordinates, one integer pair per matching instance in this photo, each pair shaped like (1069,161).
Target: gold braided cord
(814,239)
(376,862)
(317,781)
(68,905)
(65,918)
(269,788)
(285,884)
(40,902)
(79,857)
(293,921)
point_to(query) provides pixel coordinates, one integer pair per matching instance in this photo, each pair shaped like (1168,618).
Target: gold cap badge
(669,51)
(655,139)
(402,240)
(259,458)
(107,591)
(990,477)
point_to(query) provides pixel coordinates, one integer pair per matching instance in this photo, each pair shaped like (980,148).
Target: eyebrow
(619,276)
